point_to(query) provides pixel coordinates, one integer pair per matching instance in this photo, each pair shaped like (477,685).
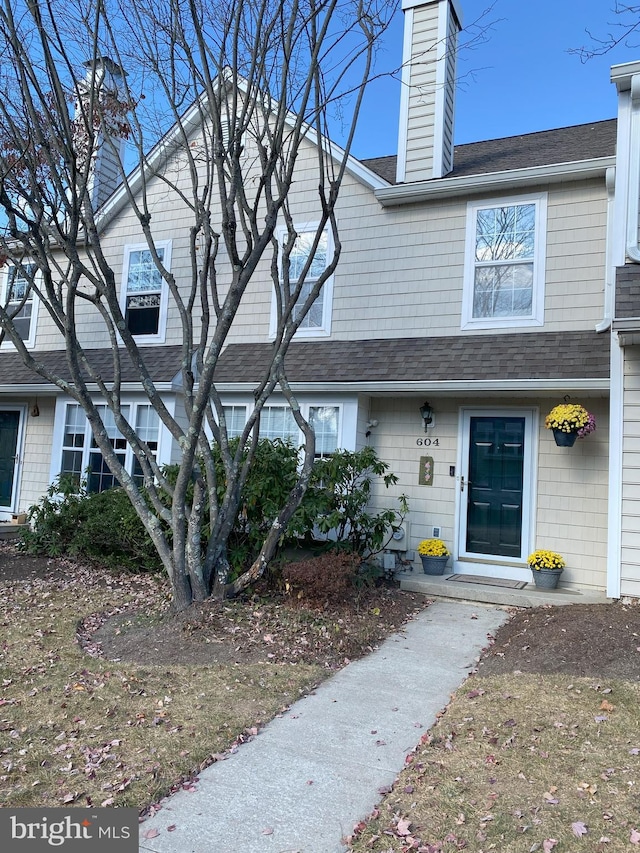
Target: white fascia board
(494,181)
(460,388)
(41,389)
(48,388)
(622,74)
(171,141)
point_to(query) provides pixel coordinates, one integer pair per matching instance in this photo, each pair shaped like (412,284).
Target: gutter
(458,388)
(493,181)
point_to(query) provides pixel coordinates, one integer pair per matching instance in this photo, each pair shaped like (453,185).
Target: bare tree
(218,101)
(624,30)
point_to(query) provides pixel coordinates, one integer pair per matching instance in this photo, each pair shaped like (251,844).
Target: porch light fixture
(426,412)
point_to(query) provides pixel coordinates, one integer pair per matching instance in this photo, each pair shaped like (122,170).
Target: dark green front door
(9,424)
(495,486)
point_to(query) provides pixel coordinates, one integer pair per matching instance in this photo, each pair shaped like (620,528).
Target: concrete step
(9,530)
(436,586)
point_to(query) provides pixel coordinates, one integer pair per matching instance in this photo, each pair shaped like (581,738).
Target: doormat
(505,582)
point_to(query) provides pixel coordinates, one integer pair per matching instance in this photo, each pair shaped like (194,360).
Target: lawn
(79,728)
(538,751)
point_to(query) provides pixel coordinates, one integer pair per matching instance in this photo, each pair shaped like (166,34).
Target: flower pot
(564,439)
(546,578)
(433,565)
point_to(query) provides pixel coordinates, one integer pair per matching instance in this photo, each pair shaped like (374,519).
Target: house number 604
(428,442)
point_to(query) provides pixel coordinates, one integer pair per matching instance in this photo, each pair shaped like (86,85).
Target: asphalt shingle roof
(163,363)
(540,355)
(544,148)
(628,291)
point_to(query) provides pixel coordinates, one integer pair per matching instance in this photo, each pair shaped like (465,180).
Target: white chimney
(425,141)
(104,80)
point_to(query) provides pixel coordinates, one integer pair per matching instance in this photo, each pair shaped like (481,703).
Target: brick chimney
(104,81)
(425,141)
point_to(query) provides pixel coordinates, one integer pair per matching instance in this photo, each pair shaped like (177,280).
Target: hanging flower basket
(565,439)
(568,422)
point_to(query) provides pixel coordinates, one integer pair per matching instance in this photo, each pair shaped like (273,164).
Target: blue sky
(518,79)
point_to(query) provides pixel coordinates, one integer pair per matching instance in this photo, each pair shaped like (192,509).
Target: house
(478,287)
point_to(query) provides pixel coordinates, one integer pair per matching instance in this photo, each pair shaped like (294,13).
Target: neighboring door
(9,435)
(495,483)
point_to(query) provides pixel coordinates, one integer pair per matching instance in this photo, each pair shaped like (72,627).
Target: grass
(520,763)
(76,730)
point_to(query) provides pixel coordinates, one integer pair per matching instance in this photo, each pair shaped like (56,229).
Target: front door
(495,481)
(9,433)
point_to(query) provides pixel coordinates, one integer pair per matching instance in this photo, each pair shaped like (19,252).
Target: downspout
(609,276)
(633,198)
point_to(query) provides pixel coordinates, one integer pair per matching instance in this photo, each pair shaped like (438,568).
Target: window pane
(503,291)
(297,260)
(100,477)
(236,418)
(72,464)
(504,252)
(324,420)
(144,289)
(19,281)
(147,428)
(143,275)
(75,426)
(278,422)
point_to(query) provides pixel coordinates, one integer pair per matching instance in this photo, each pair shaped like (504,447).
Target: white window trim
(30,342)
(304,410)
(536,318)
(60,420)
(159,338)
(324,330)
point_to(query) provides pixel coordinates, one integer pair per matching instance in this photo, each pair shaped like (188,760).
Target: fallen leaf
(548,844)
(579,829)
(150,833)
(403,826)
(268,830)
(635,836)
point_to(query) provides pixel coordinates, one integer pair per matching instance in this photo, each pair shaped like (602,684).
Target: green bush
(54,520)
(103,527)
(340,493)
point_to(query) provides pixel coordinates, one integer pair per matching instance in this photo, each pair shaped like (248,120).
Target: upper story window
(20,300)
(317,321)
(144,291)
(504,263)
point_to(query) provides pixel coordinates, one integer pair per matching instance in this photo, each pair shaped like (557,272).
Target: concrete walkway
(303,783)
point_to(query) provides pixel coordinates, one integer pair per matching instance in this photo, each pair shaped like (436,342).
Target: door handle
(463,483)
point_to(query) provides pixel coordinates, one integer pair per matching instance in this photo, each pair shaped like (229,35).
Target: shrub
(103,527)
(340,493)
(326,579)
(54,520)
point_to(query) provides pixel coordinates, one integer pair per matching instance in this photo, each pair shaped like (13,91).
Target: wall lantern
(426,412)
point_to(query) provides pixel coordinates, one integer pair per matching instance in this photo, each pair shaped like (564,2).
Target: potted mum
(546,568)
(569,421)
(434,554)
